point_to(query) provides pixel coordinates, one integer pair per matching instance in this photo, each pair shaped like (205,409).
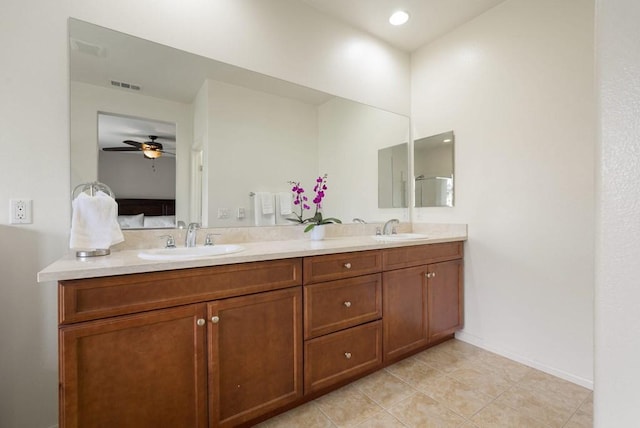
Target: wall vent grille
(125,85)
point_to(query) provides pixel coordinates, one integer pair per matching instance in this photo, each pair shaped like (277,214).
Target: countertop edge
(127,261)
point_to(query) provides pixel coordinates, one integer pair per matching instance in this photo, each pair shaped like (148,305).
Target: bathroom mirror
(433,169)
(237,132)
(393,172)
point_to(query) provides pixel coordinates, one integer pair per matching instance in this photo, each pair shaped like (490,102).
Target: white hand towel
(285,203)
(94,223)
(266,202)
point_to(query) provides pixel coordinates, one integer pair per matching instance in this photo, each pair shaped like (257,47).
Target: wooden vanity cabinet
(149,352)
(342,312)
(255,349)
(142,370)
(423,296)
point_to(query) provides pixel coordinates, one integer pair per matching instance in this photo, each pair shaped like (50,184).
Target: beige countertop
(128,262)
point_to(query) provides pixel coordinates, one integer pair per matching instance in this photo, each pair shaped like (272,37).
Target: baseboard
(476,341)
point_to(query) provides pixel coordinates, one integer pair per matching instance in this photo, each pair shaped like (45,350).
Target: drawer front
(336,305)
(340,356)
(402,257)
(338,266)
(86,299)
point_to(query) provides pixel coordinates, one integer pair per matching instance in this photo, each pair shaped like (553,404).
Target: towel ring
(92,189)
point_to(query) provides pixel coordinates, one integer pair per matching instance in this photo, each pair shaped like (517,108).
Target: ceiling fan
(150,149)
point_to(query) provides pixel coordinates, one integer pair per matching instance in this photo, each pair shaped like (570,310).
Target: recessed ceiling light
(399,17)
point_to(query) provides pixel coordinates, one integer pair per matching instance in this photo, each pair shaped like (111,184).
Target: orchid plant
(302,201)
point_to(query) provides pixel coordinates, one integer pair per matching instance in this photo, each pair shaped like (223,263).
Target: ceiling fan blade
(133,143)
(120,149)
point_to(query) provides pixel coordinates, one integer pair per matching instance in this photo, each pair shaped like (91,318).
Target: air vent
(87,48)
(125,85)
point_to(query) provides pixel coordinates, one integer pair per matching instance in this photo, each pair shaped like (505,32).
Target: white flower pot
(317,233)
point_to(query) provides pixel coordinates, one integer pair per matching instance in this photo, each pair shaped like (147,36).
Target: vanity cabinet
(231,345)
(255,355)
(342,312)
(224,347)
(142,370)
(423,296)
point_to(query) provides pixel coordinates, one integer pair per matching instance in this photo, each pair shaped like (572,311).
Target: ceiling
(429,19)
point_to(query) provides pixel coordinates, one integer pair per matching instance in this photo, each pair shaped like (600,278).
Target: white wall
(617,350)
(516,86)
(257,142)
(131,175)
(34,136)
(350,136)
(85,103)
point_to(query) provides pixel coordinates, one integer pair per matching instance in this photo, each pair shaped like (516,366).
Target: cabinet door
(145,370)
(445,293)
(404,297)
(255,348)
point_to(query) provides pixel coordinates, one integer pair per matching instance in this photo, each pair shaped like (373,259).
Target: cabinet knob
(200,322)
(347,355)
(215,319)
(430,274)
(347,265)
(347,304)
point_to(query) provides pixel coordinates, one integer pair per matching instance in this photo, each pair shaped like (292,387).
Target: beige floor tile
(382,420)
(500,416)
(482,380)
(580,420)
(587,405)
(384,388)
(440,359)
(347,406)
(502,366)
(414,372)
(540,381)
(308,416)
(546,407)
(456,395)
(422,411)
(460,348)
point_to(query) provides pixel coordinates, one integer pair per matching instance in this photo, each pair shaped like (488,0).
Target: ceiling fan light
(150,152)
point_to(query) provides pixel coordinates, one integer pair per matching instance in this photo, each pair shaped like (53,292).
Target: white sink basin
(184,253)
(400,237)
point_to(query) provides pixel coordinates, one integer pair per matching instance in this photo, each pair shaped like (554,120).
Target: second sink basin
(183,253)
(400,237)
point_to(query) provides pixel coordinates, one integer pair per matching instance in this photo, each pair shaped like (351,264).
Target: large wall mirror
(237,133)
(433,169)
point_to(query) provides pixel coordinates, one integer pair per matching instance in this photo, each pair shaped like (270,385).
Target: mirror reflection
(433,170)
(237,133)
(393,170)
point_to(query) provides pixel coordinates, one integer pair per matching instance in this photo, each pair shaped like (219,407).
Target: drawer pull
(347,304)
(347,265)
(347,355)
(200,322)
(430,274)
(215,319)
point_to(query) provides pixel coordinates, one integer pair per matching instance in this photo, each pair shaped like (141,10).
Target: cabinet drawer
(339,356)
(86,299)
(402,257)
(336,305)
(338,266)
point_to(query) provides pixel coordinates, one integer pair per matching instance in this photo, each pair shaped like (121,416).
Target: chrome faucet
(387,229)
(190,238)
(359,220)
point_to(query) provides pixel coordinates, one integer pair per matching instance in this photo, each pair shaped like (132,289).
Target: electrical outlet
(240,214)
(223,213)
(20,211)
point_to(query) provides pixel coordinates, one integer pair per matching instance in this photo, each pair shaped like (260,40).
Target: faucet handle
(378,231)
(170,243)
(208,239)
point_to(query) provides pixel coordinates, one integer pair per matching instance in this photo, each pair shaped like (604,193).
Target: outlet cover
(20,211)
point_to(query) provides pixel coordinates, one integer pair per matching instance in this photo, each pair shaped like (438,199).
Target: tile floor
(451,385)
